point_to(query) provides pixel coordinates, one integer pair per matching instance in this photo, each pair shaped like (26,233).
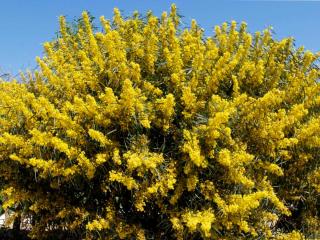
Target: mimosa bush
(146,130)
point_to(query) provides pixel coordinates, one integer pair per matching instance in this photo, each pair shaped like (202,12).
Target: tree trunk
(16,223)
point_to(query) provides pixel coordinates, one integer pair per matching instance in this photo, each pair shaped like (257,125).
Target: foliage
(150,131)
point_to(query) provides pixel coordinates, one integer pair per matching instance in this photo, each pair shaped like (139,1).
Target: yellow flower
(129,182)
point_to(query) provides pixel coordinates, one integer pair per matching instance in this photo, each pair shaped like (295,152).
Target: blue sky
(26,25)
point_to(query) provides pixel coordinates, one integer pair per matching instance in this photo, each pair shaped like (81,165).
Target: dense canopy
(146,130)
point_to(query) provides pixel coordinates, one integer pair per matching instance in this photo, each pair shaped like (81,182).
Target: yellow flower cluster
(146,160)
(204,219)
(129,182)
(144,130)
(192,148)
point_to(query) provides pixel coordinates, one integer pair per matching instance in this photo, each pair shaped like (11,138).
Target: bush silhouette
(147,130)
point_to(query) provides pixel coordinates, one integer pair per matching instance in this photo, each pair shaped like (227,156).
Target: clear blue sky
(25,25)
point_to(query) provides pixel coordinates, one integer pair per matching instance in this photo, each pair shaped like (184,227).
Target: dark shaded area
(12,234)
(8,234)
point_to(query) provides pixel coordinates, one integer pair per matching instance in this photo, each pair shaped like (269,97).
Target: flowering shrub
(150,131)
